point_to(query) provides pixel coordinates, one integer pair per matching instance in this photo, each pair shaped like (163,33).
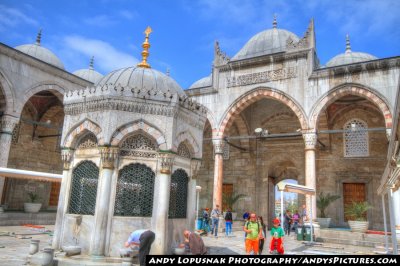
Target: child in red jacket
(276,240)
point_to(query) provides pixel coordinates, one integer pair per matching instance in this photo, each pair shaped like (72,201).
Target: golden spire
(145,52)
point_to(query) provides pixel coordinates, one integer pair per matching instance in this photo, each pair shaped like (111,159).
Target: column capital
(195,167)
(8,123)
(108,155)
(388,133)
(310,139)
(66,157)
(165,162)
(218,146)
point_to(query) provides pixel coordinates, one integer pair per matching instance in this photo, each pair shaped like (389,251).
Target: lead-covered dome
(201,83)
(41,53)
(141,78)
(349,57)
(89,73)
(266,42)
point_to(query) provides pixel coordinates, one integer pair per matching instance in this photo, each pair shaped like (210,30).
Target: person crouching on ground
(144,239)
(276,240)
(193,243)
(253,231)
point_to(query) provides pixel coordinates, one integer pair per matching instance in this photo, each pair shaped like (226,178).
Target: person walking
(228,222)
(215,214)
(287,222)
(264,235)
(253,231)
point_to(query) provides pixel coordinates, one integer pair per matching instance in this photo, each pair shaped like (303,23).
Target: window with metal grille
(15,133)
(178,194)
(135,190)
(84,188)
(88,141)
(139,145)
(356,139)
(183,150)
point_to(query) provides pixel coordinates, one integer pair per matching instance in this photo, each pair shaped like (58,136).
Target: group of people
(254,228)
(255,235)
(215,215)
(292,221)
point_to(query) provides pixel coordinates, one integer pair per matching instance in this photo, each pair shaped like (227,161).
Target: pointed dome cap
(142,76)
(266,42)
(41,53)
(89,73)
(201,83)
(349,57)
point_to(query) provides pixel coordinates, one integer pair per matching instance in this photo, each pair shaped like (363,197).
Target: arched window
(139,145)
(88,141)
(135,190)
(178,194)
(183,150)
(356,139)
(84,188)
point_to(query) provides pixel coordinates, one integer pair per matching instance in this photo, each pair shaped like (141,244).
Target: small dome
(89,74)
(139,77)
(204,82)
(266,42)
(349,57)
(41,53)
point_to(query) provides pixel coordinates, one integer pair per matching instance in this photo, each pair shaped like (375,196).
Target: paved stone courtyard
(15,241)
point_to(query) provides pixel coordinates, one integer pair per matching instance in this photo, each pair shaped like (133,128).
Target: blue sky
(184,31)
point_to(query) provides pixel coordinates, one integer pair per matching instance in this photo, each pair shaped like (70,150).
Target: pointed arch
(257,94)
(187,137)
(8,92)
(81,128)
(129,128)
(351,89)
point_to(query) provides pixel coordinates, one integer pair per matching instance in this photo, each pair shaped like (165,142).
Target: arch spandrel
(81,128)
(351,89)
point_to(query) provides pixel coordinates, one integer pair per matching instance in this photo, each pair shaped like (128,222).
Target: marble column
(160,213)
(218,171)
(7,125)
(192,195)
(396,206)
(392,213)
(109,156)
(66,157)
(310,141)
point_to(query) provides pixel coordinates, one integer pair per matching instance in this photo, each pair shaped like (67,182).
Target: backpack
(228,216)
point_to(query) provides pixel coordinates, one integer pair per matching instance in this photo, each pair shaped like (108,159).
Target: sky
(184,32)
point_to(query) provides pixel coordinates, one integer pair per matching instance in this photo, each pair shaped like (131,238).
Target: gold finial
(167,73)
(145,52)
(39,37)
(91,63)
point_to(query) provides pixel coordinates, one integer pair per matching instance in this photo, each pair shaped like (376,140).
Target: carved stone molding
(218,146)
(166,161)
(7,124)
(195,167)
(310,140)
(108,156)
(66,157)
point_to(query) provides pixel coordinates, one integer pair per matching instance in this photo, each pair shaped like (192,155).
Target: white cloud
(107,58)
(100,20)
(11,17)
(128,14)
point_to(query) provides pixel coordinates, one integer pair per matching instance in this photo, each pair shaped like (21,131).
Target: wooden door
(227,189)
(54,193)
(353,192)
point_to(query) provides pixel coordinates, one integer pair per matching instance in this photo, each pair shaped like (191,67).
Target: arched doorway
(36,147)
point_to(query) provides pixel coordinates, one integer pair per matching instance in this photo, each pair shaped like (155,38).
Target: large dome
(349,57)
(41,53)
(139,77)
(266,42)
